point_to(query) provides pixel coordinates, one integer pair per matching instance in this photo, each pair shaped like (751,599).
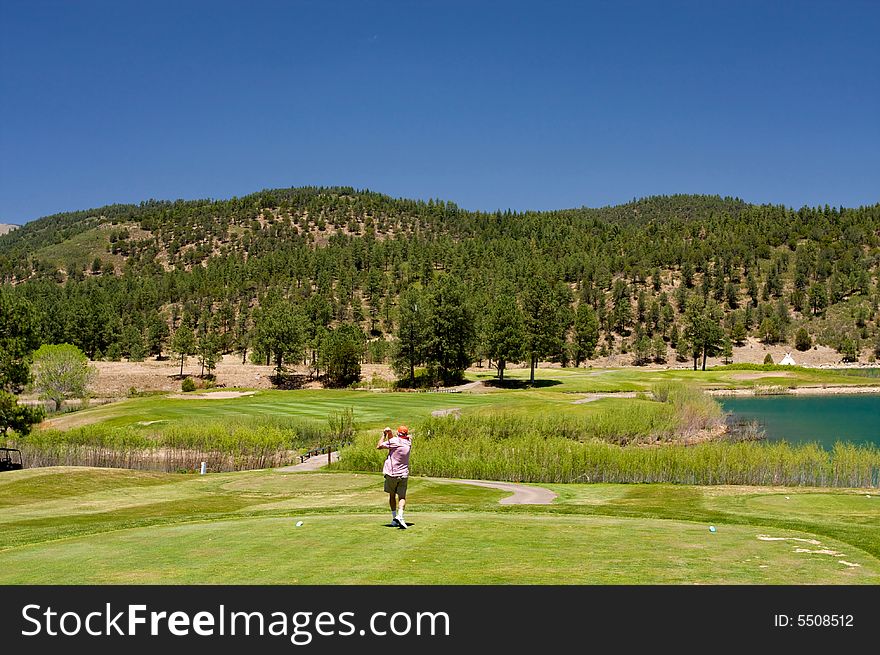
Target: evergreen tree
(342,354)
(208,352)
(586,333)
(183,345)
(451,331)
(802,340)
(503,330)
(19,337)
(545,321)
(279,333)
(412,333)
(703,329)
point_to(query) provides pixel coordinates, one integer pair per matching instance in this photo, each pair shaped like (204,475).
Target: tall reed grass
(230,445)
(453,452)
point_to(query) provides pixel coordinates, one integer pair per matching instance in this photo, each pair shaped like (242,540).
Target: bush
(188,385)
(768,359)
(802,340)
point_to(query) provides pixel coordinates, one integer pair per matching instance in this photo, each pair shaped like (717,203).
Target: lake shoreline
(758,392)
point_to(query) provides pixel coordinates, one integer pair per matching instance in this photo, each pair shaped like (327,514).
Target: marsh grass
(563,448)
(230,445)
(535,458)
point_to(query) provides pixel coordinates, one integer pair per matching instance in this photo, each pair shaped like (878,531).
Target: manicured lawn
(370,410)
(79,526)
(585,380)
(556,391)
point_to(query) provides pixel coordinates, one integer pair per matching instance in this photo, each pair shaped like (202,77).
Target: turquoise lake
(822,419)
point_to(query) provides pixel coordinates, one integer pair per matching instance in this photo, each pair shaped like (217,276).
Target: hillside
(6,228)
(118,280)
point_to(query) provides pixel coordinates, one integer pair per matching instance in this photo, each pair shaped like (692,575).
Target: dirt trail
(588,398)
(311,464)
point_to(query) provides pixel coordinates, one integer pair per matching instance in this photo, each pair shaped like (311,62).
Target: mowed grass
(369,409)
(556,391)
(89,526)
(609,380)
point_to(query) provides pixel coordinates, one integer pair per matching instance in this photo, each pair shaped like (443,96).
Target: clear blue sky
(489,104)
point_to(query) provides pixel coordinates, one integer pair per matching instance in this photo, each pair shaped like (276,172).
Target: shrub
(768,359)
(802,340)
(188,385)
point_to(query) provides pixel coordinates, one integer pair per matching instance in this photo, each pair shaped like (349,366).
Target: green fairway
(370,409)
(586,380)
(80,526)
(557,391)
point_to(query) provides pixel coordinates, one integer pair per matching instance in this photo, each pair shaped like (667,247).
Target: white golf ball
(711,528)
(299,524)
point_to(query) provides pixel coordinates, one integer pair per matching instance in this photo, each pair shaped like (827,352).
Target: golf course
(92,526)
(282,525)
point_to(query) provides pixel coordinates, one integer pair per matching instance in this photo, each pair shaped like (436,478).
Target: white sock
(400,513)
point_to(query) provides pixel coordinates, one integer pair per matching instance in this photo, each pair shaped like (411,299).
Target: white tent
(787,360)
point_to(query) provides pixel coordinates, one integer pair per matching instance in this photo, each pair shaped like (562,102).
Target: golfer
(396,470)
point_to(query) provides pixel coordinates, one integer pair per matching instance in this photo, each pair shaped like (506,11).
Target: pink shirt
(397,463)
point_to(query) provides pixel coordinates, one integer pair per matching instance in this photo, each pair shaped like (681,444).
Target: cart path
(520,494)
(311,464)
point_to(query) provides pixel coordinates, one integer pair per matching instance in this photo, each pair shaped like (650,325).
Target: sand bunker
(759,375)
(217,395)
(599,395)
(439,413)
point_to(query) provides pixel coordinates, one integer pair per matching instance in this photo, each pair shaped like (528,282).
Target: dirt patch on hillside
(115,379)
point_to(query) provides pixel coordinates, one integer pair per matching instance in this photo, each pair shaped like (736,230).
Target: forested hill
(109,279)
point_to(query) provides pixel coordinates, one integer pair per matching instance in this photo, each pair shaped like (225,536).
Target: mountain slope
(344,255)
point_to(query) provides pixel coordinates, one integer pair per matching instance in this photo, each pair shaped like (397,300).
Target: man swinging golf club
(396,470)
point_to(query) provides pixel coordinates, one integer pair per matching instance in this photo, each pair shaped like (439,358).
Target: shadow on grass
(521,384)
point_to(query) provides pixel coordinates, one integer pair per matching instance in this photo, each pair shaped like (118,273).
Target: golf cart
(10,459)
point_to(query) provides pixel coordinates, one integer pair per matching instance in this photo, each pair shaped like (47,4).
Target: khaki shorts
(395,486)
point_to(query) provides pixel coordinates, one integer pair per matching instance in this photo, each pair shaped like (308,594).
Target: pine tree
(412,333)
(586,333)
(504,330)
